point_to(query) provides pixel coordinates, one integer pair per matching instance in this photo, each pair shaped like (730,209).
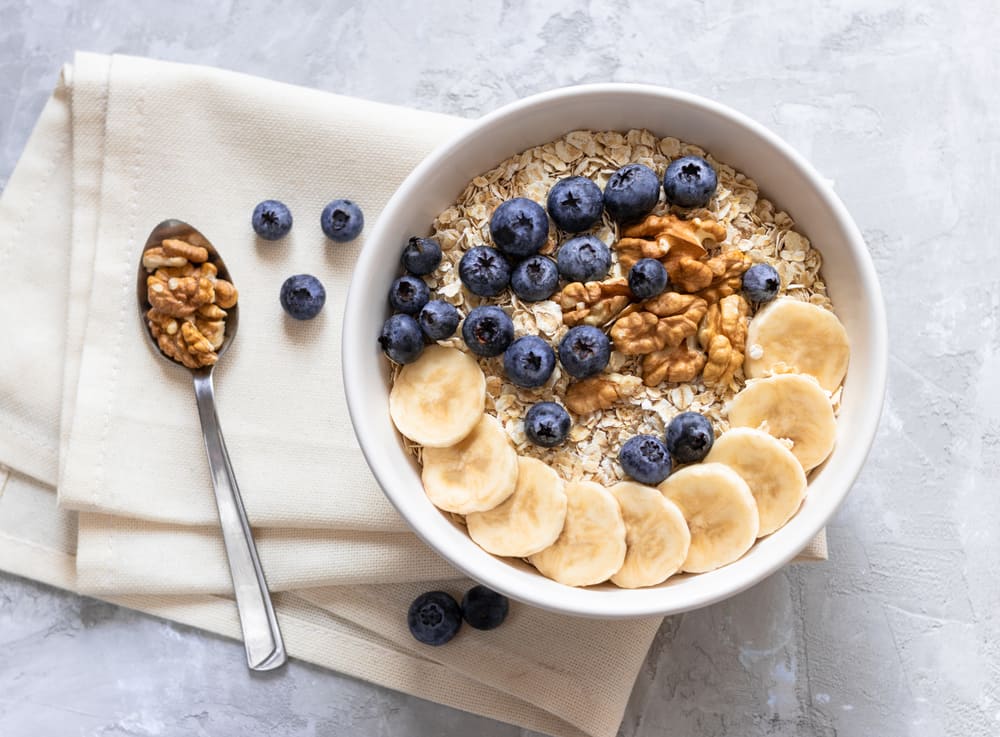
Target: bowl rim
(862,435)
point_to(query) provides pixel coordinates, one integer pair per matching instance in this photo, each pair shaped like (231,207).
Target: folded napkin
(123,144)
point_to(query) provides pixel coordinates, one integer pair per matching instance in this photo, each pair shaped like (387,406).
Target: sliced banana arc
(656,536)
(720,511)
(591,547)
(529,520)
(439,398)
(789,336)
(474,475)
(789,406)
(772,472)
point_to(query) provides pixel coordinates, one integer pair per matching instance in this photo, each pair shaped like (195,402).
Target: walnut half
(723,335)
(600,392)
(662,322)
(594,302)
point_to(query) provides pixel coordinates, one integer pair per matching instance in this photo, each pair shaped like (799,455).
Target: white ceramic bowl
(783,176)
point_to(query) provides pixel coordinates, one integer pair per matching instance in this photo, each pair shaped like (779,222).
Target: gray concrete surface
(893,99)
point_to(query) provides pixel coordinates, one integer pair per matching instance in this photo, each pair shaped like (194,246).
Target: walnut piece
(669,239)
(662,322)
(723,334)
(682,363)
(593,303)
(727,272)
(183,249)
(600,392)
(180,296)
(181,340)
(157,258)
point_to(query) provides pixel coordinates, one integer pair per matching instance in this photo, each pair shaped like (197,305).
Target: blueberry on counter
(584,351)
(302,296)
(647,278)
(421,256)
(409,294)
(271,220)
(631,193)
(484,271)
(434,618)
(342,220)
(575,203)
(438,319)
(483,608)
(761,283)
(689,181)
(646,459)
(584,258)
(519,227)
(534,279)
(487,331)
(401,339)
(689,437)
(546,424)
(529,361)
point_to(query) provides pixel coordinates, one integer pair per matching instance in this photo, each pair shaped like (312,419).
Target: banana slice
(720,512)
(789,336)
(656,536)
(531,518)
(772,472)
(591,547)
(474,475)
(789,406)
(439,398)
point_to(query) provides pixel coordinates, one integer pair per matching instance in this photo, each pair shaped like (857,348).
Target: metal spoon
(261,636)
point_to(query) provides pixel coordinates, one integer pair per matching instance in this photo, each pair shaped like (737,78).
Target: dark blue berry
(483,608)
(529,361)
(438,319)
(271,220)
(342,220)
(689,437)
(689,181)
(546,424)
(434,618)
(647,278)
(645,458)
(631,193)
(536,278)
(584,351)
(575,203)
(484,271)
(487,331)
(519,227)
(584,258)
(409,294)
(421,256)
(761,283)
(401,339)
(302,296)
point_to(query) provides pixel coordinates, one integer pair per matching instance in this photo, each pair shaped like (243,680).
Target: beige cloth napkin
(83,402)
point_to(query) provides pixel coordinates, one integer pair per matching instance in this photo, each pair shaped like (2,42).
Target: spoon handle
(261,636)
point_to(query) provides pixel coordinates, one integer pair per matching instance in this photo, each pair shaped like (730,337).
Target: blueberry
(645,458)
(434,618)
(487,331)
(519,227)
(584,351)
(484,608)
(401,339)
(761,283)
(546,424)
(689,437)
(647,278)
(484,271)
(409,294)
(536,278)
(271,220)
(584,258)
(575,203)
(631,193)
(689,181)
(342,220)
(421,256)
(438,319)
(302,296)
(529,361)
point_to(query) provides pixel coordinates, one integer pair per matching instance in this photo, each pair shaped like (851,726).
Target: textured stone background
(895,100)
